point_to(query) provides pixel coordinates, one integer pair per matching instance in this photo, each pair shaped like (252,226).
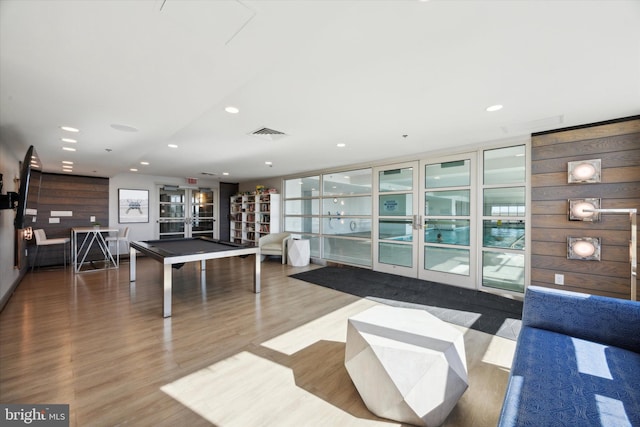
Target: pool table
(175,252)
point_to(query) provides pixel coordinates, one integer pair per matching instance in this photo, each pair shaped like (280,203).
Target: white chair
(274,244)
(122,236)
(41,240)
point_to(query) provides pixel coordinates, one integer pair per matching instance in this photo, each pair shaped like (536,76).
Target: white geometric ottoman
(407,365)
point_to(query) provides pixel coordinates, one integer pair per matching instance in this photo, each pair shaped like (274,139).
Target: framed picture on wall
(133,206)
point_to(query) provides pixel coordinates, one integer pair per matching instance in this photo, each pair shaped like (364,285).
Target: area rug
(477,310)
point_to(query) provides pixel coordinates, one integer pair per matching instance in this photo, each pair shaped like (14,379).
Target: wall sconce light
(584,210)
(27,233)
(584,171)
(583,248)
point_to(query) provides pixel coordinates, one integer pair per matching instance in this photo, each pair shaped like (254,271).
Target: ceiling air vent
(268,134)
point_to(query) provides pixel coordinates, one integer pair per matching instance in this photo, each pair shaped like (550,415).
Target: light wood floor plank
(227,357)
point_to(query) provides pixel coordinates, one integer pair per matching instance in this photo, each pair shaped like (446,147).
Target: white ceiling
(362,73)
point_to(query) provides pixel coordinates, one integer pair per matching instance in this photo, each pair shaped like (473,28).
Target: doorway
(186,212)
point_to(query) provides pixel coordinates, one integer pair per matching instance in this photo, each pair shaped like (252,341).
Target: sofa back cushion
(605,320)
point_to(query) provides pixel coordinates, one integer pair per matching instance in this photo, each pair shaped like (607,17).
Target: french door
(447,249)
(186,212)
(423,220)
(396,230)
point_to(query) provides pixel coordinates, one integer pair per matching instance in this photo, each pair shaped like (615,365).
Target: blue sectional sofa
(577,362)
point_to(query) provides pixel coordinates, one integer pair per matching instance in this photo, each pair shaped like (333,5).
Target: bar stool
(124,237)
(41,240)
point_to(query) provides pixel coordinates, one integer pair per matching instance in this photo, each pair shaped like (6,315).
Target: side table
(299,252)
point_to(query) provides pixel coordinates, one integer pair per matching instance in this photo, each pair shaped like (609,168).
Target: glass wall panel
(347,183)
(504,165)
(395,204)
(447,231)
(447,203)
(302,187)
(502,270)
(395,254)
(503,234)
(296,224)
(347,205)
(395,229)
(508,201)
(352,227)
(302,207)
(396,180)
(448,174)
(447,260)
(351,251)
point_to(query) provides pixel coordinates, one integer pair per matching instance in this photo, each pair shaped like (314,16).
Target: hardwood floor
(227,356)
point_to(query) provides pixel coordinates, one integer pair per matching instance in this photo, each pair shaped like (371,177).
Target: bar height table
(92,236)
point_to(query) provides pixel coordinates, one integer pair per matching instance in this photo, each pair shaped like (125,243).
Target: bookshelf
(253,216)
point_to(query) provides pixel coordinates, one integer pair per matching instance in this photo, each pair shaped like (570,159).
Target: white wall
(9,168)
(132,181)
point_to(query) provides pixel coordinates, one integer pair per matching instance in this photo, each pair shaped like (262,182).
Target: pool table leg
(256,274)
(166,301)
(132,264)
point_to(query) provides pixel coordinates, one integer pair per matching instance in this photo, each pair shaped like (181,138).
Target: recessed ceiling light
(496,107)
(67,170)
(69,129)
(133,170)
(144,163)
(68,148)
(67,162)
(341,145)
(73,141)
(225,173)
(172,146)
(231,109)
(268,163)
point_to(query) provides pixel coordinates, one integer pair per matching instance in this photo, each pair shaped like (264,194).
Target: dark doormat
(477,310)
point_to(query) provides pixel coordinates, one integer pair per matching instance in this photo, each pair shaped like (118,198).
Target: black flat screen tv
(30,176)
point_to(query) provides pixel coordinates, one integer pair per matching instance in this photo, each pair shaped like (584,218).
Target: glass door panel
(396,217)
(172,221)
(203,219)
(447,242)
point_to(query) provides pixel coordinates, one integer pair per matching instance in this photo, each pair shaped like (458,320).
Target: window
(503,218)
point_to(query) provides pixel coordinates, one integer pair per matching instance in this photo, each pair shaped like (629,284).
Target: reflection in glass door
(186,212)
(447,201)
(397,222)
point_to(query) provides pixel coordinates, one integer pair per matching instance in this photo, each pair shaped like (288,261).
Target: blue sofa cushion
(559,380)
(605,320)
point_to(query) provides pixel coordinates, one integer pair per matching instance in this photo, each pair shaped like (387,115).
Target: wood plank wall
(82,195)
(617,144)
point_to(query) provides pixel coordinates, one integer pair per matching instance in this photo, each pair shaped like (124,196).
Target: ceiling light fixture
(225,173)
(133,170)
(123,128)
(493,108)
(268,163)
(144,163)
(172,146)
(231,109)
(341,145)
(68,148)
(69,129)
(73,141)
(67,162)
